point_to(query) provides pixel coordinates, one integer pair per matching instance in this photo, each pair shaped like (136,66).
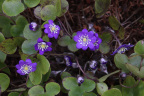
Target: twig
(96,80)
(68,24)
(64,27)
(133,22)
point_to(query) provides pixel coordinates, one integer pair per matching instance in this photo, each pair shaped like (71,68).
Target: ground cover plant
(71,48)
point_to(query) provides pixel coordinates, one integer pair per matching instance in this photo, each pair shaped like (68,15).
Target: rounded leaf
(52,88)
(120,61)
(37,11)
(64,41)
(101,88)
(31,3)
(29,34)
(89,94)
(112,92)
(139,47)
(4,81)
(48,13)
(104,48)
(65,74)
(12,7)
(36,91)
(88,85)
(70,83)
(28,47)
(45,65)
(75,92)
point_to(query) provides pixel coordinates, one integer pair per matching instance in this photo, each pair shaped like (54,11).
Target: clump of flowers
(33,26)
(42,46)
(68,60)
(26,67)
(122,48)
(87,39)
(51,29)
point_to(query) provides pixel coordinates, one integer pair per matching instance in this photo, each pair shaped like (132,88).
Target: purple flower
(51,29)
(84,39)
(26,67)
(42,46)
(97,42)
(93,64)
(33,26)
(103,61)
(68,60)
(122,48)
(80,79)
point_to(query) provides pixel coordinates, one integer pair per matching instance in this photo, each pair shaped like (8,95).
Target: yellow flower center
(53,28)
(43,45)
(26,68)
(84,39)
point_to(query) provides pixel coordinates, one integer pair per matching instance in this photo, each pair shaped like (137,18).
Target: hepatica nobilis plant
(56,48)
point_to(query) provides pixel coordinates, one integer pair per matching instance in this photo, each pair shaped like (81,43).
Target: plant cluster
(34,43)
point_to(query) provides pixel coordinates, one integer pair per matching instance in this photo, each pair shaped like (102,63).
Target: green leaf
(13,94)
(37,11)
(28,47)
(44,64)
(113,92)
(102,79)
(121,32)
(135,70)
(4,81)
(36,91)
(46,76)
(101,88)
(89,94)
(129,81)
(29,84)
(5,24)
(8,46)
(64,41)
(36,76)
(29,34)
(2,38)
(45,38)
(12,7)
(58,7)
(6,70)
(2,56)
(52,88)
(65,74)
(120,61)
(18,90)
(104,48)
(75,92)
(70,83)
(31,3)
(114,23)
(88,85)
(72,46)
(17,30)
(139,47)
(106,37)
(139,89)
(101,6)
(135,60)
(1,2)
(48,13)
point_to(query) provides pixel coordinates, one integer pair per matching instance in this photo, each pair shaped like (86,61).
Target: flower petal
(78,45)
(39,40)
(84,47)
(28,61)
(41,52)
(50,35)
(46,25)
(36,47)
(50,21)
(76,38)
(91,45)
